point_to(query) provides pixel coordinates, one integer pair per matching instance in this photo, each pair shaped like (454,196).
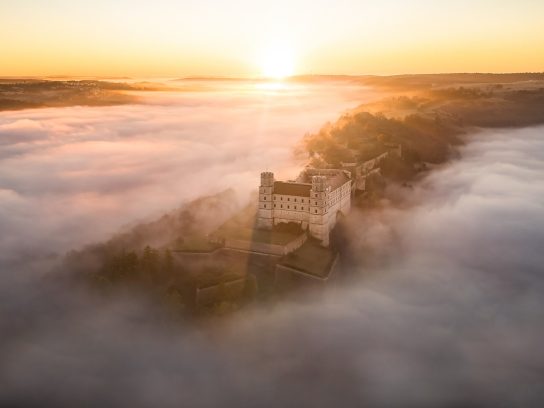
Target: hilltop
(28,93)
(178,258)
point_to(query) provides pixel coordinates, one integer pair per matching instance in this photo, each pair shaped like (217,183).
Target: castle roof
(293,189)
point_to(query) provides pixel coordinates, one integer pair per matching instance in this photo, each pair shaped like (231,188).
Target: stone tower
(319,225)
(266,189)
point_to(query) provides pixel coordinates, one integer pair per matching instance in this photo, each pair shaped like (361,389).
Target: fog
(445,306)
(70,176)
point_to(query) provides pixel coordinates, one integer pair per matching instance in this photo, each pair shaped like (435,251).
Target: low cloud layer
(70,176)
(445,308)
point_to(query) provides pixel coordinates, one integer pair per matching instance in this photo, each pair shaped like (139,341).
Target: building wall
(325,208)
(266,248)
(264,212)
(288,208)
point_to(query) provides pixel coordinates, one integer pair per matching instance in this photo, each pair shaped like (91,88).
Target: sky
(241,37)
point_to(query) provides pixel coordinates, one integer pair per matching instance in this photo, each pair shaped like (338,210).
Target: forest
(428,124)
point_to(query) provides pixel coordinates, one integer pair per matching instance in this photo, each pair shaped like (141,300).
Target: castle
(318,197)
(314,201)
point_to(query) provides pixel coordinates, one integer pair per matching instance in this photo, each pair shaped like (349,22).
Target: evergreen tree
(167,263)
(149,264)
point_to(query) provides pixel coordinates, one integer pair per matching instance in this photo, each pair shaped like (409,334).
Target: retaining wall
(266,248)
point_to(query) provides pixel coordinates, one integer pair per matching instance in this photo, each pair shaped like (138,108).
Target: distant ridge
(468,77)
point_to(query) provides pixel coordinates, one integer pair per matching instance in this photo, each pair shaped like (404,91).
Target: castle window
(265,206)
(295,207)
(281,198)
(302,208)
(287,207)
(264,197)
(316,211)
(295,201)
(274,205)
(316,203)
(281,206)
(288,199)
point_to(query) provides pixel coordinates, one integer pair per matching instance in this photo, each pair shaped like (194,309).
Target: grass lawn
(311,258)
(214,276)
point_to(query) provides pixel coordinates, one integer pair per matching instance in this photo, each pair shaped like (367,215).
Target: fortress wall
(296,243)
(255,246)
(267,248)
(321,172)
(286,277)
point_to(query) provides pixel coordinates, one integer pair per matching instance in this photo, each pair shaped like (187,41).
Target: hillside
(18,94)
(429,120)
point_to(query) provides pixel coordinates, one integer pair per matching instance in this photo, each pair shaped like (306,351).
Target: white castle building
(315,201)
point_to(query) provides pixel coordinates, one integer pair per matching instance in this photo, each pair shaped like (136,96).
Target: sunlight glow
(243,38)
(272,86)
(277,61)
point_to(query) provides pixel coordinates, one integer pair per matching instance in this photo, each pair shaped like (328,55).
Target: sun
(277,62)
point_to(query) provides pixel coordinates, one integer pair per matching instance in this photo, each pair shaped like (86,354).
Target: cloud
(80,174)
(442,305)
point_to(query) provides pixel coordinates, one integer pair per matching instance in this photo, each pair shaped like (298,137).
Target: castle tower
(319,224)
(265,212)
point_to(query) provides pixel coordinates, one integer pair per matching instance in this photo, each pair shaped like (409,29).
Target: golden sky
(233,38)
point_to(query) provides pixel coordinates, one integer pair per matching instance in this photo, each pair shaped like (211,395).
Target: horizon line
(261,78)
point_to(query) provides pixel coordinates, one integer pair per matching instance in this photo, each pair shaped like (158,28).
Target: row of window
(289,207)
(301,200)
(289,199)
(281,198)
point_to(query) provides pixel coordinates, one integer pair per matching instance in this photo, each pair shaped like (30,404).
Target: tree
(122,266)
(167,262)
(174,300)
(149,264)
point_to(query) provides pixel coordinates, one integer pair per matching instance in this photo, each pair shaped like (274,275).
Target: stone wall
(266,248)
